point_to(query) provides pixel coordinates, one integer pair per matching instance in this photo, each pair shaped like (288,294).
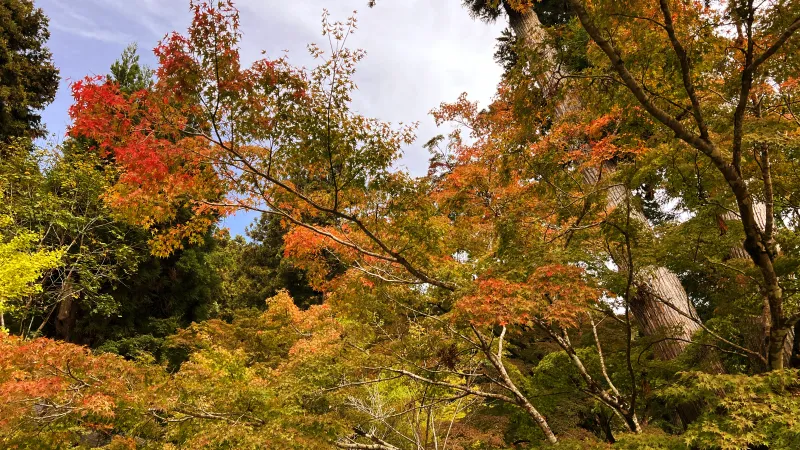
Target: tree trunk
(654,285)
(660,306)
(756,339)
(526,25)
(65,320)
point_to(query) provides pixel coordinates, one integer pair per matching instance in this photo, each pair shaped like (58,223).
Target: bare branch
(457,387)
(601,357)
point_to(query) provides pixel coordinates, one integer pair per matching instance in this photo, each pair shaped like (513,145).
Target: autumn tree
(740,133)
(526,225)
(107,290)
(283,141)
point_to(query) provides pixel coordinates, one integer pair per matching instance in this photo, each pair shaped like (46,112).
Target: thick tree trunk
(655,286)
(528,27)
(661,306)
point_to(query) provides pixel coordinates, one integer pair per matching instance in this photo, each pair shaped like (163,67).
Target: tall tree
(28,78)
(255,269)
(734,144)
(660,305)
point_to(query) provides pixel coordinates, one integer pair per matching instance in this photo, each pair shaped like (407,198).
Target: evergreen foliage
(28,77)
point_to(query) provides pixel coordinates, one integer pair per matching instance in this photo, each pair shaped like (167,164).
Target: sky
(419,52)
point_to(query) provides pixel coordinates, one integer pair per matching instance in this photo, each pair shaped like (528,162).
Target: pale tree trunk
(528,27)
(655,286)
(661,306)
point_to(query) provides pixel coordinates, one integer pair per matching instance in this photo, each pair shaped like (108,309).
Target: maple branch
(633,16)
(519,398)
(359,383)
(426,405)
(457,387)
(729,267)
(744,92)
(787,33)
(384,278)
(788,106)
(364,446)
(438,320)
(688,341)
(615,402)
(628,285)
(379,444)
(157,414)
(278,212)
(397,257)
(751,65)
(636,89)
(601,357)
(769,196)
(683,58)
(500,343)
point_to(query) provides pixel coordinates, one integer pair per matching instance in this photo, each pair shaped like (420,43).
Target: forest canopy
(604,256)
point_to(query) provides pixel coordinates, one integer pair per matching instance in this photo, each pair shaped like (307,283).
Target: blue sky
(419,52)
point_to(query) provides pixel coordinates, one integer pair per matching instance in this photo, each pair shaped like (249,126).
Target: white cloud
(73,21)
(95,33)
(419,54)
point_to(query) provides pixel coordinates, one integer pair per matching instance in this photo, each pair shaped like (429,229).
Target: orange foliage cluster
(141,133)
(165,141)
(555,294)
(48,380)
(590,144)
(316,330)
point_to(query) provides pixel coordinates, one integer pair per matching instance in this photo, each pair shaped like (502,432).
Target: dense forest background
(606,256)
